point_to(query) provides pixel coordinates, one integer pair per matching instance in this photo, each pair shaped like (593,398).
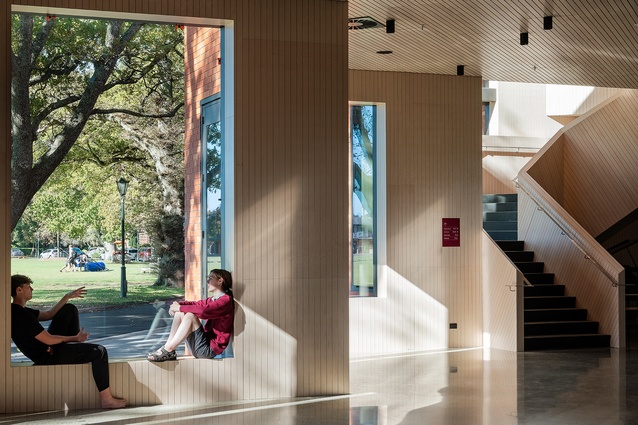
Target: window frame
(380,206)
(226,99)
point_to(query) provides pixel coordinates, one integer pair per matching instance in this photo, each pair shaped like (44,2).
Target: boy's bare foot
(107,401)
(113,403)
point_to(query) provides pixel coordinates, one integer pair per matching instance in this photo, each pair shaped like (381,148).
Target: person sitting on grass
(63,342)
(203,341)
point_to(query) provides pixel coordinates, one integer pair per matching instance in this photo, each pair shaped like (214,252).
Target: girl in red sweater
(207,340)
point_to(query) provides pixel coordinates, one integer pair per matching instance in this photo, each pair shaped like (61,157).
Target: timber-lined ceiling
(592,42)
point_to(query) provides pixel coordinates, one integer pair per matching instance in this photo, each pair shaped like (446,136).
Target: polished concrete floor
(473,386)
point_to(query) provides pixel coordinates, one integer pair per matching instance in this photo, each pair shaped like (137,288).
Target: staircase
(551,318)
(500,216)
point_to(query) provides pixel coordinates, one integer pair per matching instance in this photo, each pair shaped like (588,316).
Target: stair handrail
(517,149)
(520,183)
(526,282)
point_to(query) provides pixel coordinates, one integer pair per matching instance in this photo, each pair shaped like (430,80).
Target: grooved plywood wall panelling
(592,167)
(499,298)
(291,213)
(548,171)
(500,170)
(601,165)
(433,163)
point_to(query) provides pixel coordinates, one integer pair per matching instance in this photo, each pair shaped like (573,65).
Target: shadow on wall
(501,170)
(260,349)
(406,319)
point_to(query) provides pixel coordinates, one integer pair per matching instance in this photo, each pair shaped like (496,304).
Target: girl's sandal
(162,355)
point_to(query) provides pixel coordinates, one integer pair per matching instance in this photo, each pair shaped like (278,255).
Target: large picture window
(366,227)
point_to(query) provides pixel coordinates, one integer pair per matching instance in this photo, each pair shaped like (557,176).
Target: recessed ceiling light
(384,52)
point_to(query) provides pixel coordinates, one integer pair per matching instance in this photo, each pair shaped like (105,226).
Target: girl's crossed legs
(183,325)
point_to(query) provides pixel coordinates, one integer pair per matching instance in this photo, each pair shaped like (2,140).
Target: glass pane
(213,177)
(363,135)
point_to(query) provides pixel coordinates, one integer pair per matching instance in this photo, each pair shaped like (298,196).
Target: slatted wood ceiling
(592,43)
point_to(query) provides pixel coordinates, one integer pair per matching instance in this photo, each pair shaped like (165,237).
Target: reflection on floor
(473,386)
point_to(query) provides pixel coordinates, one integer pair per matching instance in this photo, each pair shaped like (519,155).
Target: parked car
(132,253)
(96,252)
(53,253)
(15,252)
(145,254)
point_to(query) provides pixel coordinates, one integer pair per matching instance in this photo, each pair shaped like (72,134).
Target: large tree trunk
(28,174)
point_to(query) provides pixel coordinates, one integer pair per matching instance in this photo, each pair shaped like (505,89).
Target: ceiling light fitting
(460,70)
(384,52)
(524,38)
(548,22)
(389,26)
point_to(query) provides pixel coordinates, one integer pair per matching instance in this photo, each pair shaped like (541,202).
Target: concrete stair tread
(565,336)
(548,296)
(554,309)
(551,322)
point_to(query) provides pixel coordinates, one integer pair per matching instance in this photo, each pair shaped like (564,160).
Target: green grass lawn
(49,284)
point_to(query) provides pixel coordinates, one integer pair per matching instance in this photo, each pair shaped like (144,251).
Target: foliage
(170,252)
(213,157)
(363,156)
(61,71)
(93,101)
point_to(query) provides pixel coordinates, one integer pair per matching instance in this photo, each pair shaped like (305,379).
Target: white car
(96,252)
(132,253)
(52,253)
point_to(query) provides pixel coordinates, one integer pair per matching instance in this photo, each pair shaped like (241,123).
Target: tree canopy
(81,80)
(93,100)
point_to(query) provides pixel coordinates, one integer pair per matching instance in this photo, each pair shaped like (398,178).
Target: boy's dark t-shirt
(24,328)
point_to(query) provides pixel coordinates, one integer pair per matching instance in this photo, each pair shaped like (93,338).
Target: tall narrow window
(486,118)
(363,140)
(213,176)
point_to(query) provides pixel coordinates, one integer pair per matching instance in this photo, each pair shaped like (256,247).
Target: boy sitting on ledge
(63,343)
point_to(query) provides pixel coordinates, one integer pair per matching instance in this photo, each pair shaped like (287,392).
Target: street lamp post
(122,185)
